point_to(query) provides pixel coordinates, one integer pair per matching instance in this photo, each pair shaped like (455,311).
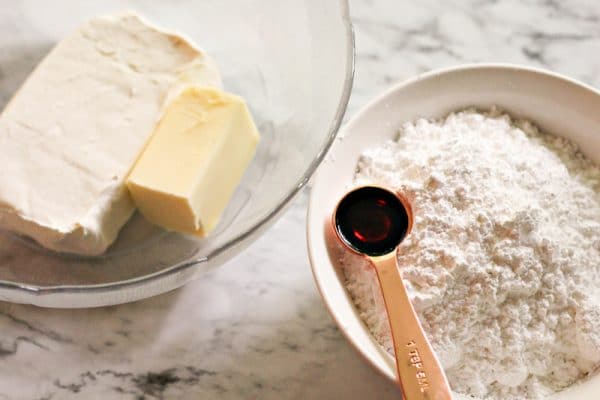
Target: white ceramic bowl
(559,105)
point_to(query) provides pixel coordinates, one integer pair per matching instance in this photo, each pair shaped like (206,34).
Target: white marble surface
(256,327)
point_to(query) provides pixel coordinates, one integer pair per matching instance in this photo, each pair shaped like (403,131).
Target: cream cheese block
(195,159)
(71,134)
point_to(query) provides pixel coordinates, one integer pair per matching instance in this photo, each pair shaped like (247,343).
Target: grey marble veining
(256,327)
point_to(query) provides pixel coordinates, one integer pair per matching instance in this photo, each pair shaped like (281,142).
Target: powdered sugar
(503,262)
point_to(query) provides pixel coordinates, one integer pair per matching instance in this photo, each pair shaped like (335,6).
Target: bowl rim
(181,273)
(400,85)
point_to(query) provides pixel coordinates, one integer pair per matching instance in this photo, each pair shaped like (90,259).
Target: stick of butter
(193,162)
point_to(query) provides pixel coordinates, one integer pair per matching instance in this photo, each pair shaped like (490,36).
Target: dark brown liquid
(372,220)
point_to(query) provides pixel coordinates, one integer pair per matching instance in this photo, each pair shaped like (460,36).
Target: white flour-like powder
(503,262)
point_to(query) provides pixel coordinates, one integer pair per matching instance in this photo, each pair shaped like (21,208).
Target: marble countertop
(256,328)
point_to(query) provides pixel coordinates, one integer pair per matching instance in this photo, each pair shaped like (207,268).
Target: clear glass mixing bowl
(293,62)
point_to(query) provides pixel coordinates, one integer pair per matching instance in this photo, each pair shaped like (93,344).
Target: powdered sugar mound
(503,262)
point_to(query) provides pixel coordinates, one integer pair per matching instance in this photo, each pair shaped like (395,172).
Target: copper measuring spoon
(372,221)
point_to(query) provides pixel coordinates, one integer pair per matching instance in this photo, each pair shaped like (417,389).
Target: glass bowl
(291,60)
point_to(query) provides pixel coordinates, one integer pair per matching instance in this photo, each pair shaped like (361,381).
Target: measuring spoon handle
(420,374)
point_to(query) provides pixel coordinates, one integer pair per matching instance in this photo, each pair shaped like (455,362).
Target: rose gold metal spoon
(372,221)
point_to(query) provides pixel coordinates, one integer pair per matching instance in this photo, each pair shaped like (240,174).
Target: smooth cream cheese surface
(70,135)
